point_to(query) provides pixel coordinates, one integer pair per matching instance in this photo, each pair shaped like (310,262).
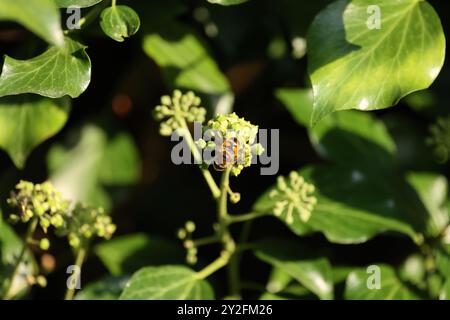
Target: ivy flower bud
(235,197)
(44,244)
(190,226)
(181,234)
(41,281)
(294,198)
(176,110)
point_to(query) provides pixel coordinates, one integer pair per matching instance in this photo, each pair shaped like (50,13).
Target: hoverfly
(228,154)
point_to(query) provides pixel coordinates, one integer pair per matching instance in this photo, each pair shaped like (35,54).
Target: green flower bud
(181,234)
(235,197)
(44,244)
(190,226)
(41,281)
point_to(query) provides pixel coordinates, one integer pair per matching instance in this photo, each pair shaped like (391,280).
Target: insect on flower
(228,154)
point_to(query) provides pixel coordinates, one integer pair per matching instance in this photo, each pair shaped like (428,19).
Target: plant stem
(205,241)
(198,159)
(81,255)
(214,266)
(28,237)
(245,217)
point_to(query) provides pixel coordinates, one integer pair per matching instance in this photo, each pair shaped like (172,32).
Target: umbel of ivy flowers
(43,203)
(234,138)
(293,196)
(85,222)
(40,201)
(175,111)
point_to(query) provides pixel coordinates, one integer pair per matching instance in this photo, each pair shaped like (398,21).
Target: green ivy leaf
(39,16)
(107,288)
(90,162)
(127,254)
(119,22)
(312,271)
(227,2)
(353,66)
(443,260)
(77,3)
(167,283)
(57,72)
(10,247)
(445,291)
(345,137)
(27,121)
(185,60)
(391,286)
(432,191)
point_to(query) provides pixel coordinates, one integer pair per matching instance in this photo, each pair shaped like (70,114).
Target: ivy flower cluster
(175,111)
(45,204)
(40,201)
(234,140)
(85,222)
(293,196)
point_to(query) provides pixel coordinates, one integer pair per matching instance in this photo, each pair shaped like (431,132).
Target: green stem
(217,264)
(113,4)
(89,17)
(28,237)
(205,241)
(81,255)
(245,217)
(198,159)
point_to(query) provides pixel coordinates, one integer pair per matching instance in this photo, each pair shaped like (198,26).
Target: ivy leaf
(119,22)
(57,72)
(39,16)
(445,291)
(77,3)
(227,2)
(345,137)
(10,247)
(352,206)
(432,191)
(167,283)
(127,254)
(27,121)
(312,271)
(391,286)
(443,260)
(94,167)
(107,288)
(353,64)
(185,60)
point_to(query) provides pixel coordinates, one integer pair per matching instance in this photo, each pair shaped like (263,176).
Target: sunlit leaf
(312,271)
(39,16)
(167,283)
(27,121)
(357,63)
(119,22)
(57,72)
(359,286)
